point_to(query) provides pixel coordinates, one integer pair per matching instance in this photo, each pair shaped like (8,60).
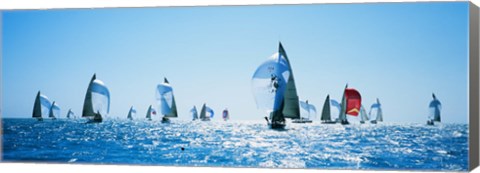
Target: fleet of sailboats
(97,101)
(274,89)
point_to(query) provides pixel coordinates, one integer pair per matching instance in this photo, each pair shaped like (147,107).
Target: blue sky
(398,52)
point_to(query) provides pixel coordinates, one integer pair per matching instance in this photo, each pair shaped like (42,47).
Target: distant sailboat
(54,111)
(70,114)
(41,107)
(274,89)
(326,111)
(225,115)
(131,113)
(150,112)
(363,115)
(206,113)
(97,101)
(194,113)
(435,107)
(166,101)
(351,102)
(376,110)
(309,108)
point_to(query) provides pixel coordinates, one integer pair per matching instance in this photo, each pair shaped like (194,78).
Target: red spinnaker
(353,100)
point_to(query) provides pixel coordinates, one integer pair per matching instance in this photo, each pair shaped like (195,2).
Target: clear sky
(398,52)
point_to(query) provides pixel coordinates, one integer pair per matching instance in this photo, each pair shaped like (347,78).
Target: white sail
(165,99)
(100,97)
(334,103)
(363,114)
(269,83)
(376,111)
(308,110)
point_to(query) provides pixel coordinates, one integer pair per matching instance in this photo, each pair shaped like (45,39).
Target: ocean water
(238,144)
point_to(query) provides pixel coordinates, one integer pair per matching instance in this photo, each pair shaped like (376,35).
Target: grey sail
(41,107)
(150,111)
(203,112)
(131,112)
(87,103)
(363,114)
(343,116)
(291,108)
(326,110)
(194,113)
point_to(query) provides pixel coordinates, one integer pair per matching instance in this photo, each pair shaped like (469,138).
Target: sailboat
(131,113)
(274,89)
(41,107)
(97,101)
(225,115)
(166,101)
(194,113)
(376,110)
(363,115)
(54,111)
(70,114)
(435,107)
(151,111)
(326,111)
(351,102)
(204,113)
(309,108)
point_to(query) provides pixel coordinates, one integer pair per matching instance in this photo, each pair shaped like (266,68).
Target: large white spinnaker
(166,100)
(97,100)
(269,83)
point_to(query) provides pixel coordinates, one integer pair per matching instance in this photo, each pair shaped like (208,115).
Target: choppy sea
(238,144)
